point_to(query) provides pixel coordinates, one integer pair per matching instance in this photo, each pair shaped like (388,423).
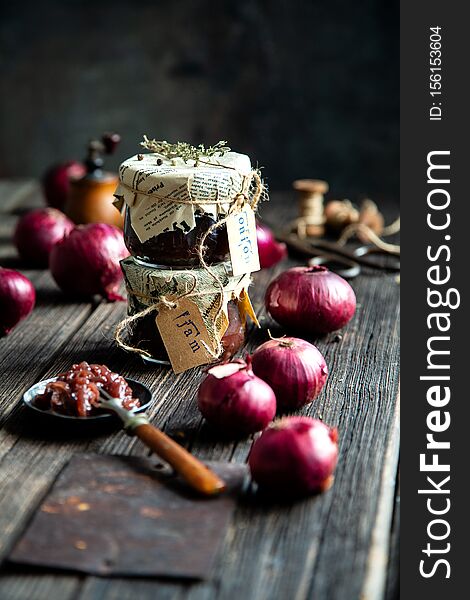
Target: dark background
(419,136)
(306,88)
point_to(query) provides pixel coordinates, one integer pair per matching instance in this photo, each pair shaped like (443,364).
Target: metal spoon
(193,471)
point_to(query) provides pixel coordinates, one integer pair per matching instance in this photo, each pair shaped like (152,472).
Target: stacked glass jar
(174,228)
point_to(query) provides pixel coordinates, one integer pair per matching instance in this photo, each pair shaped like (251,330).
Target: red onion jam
(76,392)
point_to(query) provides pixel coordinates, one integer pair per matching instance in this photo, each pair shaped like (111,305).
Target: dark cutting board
(118,515)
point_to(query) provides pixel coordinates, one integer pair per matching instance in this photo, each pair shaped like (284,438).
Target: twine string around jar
(236,206)
(252,186)
(171,302)
(163,301)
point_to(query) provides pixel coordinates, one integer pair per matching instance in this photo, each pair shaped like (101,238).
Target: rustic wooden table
(341,545)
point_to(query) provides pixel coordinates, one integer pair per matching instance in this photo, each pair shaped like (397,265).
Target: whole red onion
(86,261)
(56,182)
(310,299)
(270,251)
(295,456)
(37,231)
(17,298)
(293,368)
(234,400)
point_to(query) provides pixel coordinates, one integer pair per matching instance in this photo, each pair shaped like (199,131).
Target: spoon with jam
(90,390)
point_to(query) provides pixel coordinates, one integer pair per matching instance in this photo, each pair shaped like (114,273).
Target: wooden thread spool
(311,221)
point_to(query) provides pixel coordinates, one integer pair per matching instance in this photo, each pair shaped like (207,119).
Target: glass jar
(146,336)
(170,204)
(177,248)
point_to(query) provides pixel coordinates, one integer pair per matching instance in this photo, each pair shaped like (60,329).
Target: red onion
(17,298)
(310,299)
(270,251)
(86,261)
(294,369)
(37,231)
(234,400)
(56,182)
(295,456)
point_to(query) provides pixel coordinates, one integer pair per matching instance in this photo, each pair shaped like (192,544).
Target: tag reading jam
(184,335)
(241,232)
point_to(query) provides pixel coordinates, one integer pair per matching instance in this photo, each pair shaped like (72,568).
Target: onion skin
(38,231)
(310,299)
(86,262)
(296,456)
(56,182)
(293,368)
(236,404)
(270,251)
(17,299)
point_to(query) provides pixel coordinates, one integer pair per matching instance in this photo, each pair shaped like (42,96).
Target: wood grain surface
(341,545)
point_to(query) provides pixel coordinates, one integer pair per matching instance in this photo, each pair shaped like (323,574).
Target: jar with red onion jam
(146,337)
(175,248)
(170,205)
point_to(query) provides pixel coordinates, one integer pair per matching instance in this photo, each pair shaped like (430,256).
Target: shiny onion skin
(234,400)
(38,231)
(17,299)
(310,299)
(295,456)
(86,262)
(56,182)
(293,368)
(270,251)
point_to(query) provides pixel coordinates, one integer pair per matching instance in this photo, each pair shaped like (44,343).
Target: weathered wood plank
(393,572)
(28,351)
(257,550)
(317,548)
(380,548)
(15,193)
(293,552)
(22,586)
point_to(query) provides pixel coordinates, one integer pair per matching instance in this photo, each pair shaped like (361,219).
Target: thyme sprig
(184,150)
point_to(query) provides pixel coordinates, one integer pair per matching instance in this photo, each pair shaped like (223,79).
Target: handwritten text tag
(241,231)
(184,335)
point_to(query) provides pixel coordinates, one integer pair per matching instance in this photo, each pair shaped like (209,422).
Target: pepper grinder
(91,197)
(311,222)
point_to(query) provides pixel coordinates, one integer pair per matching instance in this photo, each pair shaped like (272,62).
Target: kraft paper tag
(241,232)
(184,334)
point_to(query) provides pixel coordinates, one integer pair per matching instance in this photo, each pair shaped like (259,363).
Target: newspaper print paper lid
(163,182)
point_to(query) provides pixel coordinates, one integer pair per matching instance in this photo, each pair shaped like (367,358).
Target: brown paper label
(241,232)
(185,336)
(164,194)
